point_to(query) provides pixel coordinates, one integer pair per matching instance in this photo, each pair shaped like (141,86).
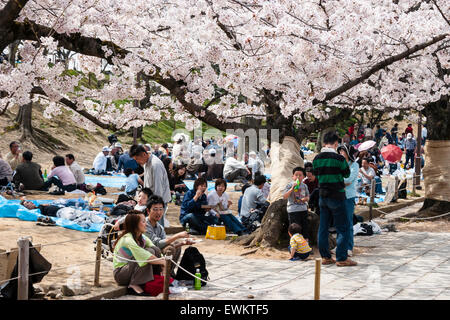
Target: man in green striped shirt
(331,168)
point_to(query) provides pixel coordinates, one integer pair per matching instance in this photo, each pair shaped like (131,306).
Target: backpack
(192,260)
(99,189)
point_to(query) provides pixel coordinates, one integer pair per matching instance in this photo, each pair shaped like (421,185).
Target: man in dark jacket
(192,210)
(331,168)
(29,173)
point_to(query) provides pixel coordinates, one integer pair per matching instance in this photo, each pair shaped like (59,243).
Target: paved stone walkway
(396,265)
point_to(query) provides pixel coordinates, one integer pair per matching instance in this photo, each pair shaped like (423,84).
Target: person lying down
(83,218)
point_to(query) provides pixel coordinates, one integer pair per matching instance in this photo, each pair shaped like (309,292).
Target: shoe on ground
(327,261)
(346,263)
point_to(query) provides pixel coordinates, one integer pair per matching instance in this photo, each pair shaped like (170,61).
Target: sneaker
(326,261)
(346,263)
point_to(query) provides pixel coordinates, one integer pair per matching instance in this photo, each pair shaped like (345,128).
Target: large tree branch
(73,106)
(29,30)
(366,75)
(11,11)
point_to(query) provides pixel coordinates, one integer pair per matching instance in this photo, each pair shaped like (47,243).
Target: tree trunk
(39,138)
(24,119)
(284,158)
(437,157)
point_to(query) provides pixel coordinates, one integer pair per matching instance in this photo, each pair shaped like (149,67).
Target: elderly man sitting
(100,161)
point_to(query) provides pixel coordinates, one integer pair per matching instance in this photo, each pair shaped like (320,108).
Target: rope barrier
(239,289)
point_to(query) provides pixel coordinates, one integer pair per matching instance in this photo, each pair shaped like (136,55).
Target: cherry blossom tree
(299,65)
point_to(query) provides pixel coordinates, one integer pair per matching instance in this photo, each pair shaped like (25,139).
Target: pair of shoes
(45,221)
(346,263)
(327,261)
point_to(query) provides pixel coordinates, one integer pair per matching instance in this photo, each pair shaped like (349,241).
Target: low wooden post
(317,280)
(372,197)
(98,257)
(24,257)
(396,189)
(167,269)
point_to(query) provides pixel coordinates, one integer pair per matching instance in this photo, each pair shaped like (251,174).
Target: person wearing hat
(101,161)
(410,147)
(116,152)
(350,190)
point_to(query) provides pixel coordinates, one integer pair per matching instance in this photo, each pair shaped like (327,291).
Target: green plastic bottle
(45,175)
(197,281)
(297,186)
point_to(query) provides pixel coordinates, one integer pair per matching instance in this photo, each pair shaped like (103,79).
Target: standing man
(155,175)
(424,134)
(13,157)
(76,170)
(394,133)
(410,147)
(331,168)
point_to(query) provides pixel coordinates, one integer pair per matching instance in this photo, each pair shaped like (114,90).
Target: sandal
(346,263)
(131,291)
(327,261)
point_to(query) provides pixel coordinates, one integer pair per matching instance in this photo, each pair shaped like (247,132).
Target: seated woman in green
(132,244)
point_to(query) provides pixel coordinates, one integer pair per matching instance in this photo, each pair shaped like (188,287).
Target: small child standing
(298,246)
(132,182)
(298,196)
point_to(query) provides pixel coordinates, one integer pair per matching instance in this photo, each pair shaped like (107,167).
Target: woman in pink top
(61,176)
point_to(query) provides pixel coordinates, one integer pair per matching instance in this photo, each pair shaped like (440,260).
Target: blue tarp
(13,209)
(114,181)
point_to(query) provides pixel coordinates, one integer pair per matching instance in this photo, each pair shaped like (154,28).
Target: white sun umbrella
(366,145)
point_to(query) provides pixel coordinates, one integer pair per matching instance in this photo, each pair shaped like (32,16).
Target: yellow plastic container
(216,233)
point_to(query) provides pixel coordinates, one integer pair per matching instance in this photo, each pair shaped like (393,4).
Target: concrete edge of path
(401,203)
(99,293)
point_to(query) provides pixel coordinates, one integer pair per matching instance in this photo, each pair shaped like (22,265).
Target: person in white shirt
(235,170)
(76,169)
(101,161)
(221,202)
(256,164)
(155,175)
(367,174)
(424,134)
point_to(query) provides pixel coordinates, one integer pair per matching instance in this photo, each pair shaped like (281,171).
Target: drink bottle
(197,281)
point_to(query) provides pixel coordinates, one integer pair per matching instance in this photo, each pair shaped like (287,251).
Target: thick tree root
(432,208)
(43,141)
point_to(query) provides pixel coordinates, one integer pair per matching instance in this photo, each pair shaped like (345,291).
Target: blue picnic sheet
(13,209)
(114,181)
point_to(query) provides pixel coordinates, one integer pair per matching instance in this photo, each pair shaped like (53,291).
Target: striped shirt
(330,169)
(299,244)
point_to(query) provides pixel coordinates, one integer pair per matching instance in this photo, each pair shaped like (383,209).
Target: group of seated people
(20,169)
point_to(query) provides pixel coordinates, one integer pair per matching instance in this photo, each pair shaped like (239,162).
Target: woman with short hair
(221,202)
